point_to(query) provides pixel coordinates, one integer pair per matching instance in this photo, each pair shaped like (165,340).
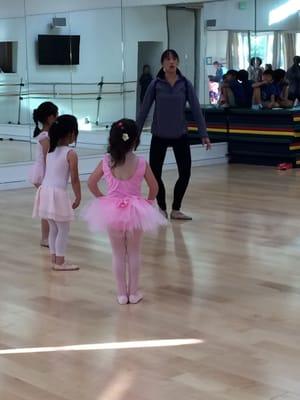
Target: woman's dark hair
(123,137)
(242,75)
(279,74)
(64,126)
(253,59)
(166,54)
(169,53)
(40,114)
(232,72)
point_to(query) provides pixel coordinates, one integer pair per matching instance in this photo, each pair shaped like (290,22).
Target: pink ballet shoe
(122,300)
(135,298)
(65,267)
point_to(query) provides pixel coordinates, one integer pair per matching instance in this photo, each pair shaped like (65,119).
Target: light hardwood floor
(230,278)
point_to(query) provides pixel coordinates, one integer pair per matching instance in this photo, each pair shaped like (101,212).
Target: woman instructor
(170,91)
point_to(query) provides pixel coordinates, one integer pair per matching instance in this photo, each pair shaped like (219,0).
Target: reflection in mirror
(14,130)
(70,64)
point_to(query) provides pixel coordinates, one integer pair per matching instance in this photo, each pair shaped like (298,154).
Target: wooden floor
(230,278)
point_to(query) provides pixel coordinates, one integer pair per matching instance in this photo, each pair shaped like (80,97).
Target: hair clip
(120,125)
(125,137)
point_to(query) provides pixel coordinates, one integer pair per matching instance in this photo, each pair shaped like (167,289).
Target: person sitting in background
(264,94)
(268,67)
(282,86)
(255,70)
(218,77)
(293,77)
(243,78)
(232,92)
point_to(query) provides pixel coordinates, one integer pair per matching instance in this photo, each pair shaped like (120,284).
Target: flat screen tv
(58,49)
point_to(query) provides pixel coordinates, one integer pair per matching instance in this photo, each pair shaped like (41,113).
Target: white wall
(140,24)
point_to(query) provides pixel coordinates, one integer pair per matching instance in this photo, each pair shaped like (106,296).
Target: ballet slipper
(135,298)
(65,267)
(176,214)
(122,300)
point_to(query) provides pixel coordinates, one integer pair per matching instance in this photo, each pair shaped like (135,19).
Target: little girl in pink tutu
(45,114)
(123,212)
(52,201)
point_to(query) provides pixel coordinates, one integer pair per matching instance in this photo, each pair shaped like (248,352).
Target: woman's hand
(206,142)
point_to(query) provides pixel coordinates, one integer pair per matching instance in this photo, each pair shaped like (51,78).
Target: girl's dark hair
(279,74)
(41,114)
(123,137)
(242,75)
(268,72)
(253,59)
(64,126)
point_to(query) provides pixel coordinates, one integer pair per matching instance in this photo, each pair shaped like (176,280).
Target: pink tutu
(53,203)
(123,214)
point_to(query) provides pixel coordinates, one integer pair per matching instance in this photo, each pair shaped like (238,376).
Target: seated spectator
(243,78)
(264,94)
(282,87)
(293,77)
(232,92)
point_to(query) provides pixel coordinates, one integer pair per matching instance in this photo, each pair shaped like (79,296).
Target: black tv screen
(58,49)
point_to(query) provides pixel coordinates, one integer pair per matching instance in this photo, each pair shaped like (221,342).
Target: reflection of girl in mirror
(45,114)
(52,201)
(170,92)
(123,212)
(255,69)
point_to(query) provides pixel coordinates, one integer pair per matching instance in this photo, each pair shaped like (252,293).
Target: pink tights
(126,250)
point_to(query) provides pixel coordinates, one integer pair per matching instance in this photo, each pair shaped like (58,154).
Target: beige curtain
(232,50)
(276,49)
(289,40)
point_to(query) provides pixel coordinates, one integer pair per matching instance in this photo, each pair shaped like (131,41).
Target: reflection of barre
(65,94)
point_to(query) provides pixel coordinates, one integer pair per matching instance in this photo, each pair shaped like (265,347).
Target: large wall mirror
(96,68)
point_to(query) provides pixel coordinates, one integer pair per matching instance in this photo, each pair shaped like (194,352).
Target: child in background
(123,212)
(52,201)
(45,114)
(282,87)
(264,94)
(232,92)
(243,78)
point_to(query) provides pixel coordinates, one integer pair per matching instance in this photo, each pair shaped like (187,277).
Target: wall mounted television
(58,49)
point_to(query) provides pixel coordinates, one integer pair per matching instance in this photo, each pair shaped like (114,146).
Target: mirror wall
(115,40)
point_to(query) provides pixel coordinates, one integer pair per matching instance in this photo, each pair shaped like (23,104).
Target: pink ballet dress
(52,200)
(37,171)
(123,208)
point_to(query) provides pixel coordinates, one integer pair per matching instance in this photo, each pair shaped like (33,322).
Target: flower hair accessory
(125,137)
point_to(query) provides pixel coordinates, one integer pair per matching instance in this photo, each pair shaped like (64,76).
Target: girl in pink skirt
(52,201)
(45,114)
(123,212)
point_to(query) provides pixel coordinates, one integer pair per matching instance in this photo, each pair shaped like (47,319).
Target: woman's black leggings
(182,154)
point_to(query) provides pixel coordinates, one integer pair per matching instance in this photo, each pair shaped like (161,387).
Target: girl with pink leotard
(123,212)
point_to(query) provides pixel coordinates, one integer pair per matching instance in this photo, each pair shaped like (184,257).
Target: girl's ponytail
(37,130)
(64,126)
(54,136)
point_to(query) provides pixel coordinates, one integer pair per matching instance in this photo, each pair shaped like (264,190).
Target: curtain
(276,49)
(232,53)
(289,40)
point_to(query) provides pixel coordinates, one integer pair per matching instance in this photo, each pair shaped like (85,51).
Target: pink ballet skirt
(53,203)
(123,208)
